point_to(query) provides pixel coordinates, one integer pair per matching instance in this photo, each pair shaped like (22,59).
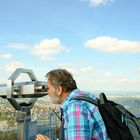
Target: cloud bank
(113,45)
(99,2)
(6,56)
(20,46)
(12,66)
(48,48)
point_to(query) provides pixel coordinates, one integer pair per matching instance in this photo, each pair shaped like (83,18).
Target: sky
(98,41)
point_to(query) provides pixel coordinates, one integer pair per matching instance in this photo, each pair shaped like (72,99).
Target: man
(82,120)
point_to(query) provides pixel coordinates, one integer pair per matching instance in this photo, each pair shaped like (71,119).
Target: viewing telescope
(31,89)
(28,91)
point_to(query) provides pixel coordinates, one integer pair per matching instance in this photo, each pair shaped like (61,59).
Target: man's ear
(59,90)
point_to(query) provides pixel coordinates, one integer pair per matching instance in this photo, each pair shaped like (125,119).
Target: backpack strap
(103,98)
(88,99)
(61,133)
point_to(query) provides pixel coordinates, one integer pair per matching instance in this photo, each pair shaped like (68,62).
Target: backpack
(119,122)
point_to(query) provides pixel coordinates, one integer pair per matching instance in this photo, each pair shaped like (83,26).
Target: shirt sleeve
(77,124)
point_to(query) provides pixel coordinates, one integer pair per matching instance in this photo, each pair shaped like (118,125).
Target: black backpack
(119,122)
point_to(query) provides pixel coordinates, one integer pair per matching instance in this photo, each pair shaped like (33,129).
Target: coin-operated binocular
(30,91)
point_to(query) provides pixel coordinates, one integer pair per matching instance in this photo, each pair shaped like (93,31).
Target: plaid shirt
(82,120)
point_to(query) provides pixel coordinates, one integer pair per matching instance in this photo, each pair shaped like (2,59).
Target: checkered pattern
(82,120)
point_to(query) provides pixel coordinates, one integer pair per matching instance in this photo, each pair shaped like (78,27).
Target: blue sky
(97,40)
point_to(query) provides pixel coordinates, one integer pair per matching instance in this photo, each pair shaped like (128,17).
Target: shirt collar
(69,97)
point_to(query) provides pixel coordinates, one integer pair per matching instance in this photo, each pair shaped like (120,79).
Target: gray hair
(63,78)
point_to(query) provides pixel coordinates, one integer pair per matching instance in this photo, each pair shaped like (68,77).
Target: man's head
(60,83)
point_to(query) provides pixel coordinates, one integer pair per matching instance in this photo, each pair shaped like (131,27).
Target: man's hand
(41,137)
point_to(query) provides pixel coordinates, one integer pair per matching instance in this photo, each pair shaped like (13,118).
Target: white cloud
(6,56)
(13,66)
(47,49)
(72,71)
(19,46)
(99,2)
(87,69)
(138,69)
(123,80)
(108,44)
(108,73)
(75,70)
(8,70)
(127,83)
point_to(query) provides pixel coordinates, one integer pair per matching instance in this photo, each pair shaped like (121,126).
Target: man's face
(52,92)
